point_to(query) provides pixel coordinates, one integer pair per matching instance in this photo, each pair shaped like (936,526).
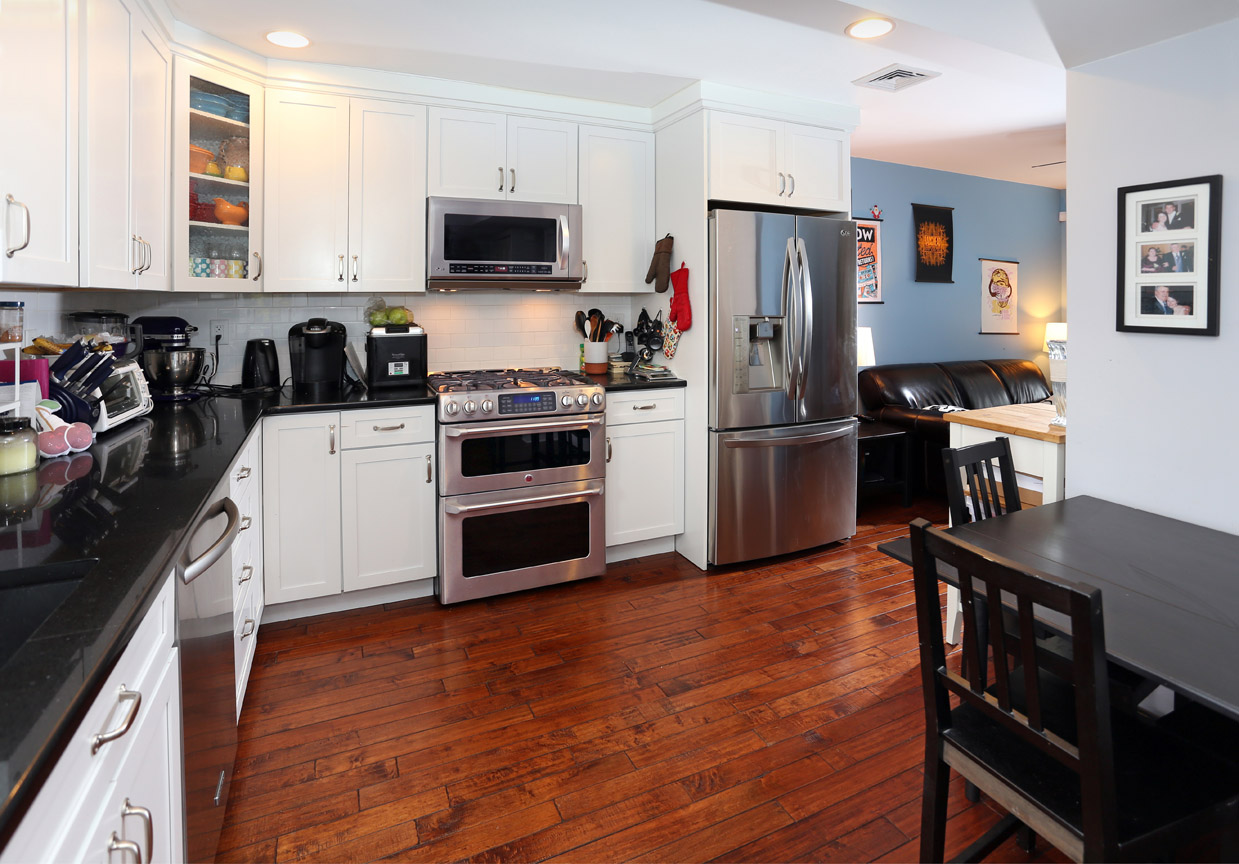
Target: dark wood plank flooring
(770,713)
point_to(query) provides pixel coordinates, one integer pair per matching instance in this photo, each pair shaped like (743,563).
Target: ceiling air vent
(895,77)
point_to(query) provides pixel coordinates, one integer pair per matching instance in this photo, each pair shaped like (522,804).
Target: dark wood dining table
(1170,589)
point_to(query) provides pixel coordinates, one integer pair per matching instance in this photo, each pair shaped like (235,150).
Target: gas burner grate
(502,379)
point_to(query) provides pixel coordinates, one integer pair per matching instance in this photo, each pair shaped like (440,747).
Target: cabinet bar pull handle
(247,573)
(608,448)
(248,629)
(340,277)
(649,407)
(513,170)
(354,268)
(122,695)
(791,179)
(782,184)
(331,444)
(133,247)
(500,178)
(141,256)
(246,523)
(145,815)
(9,251)
(118,845)
(585,267)
(388,428)
(429,470)
(258,275)
(244,472)
(150,256)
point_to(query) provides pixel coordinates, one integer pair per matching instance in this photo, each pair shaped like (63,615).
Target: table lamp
(864,347)
(1056,345)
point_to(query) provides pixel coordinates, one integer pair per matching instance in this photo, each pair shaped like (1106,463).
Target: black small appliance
(261,366)
(396,357)
(316,353)
(172,367)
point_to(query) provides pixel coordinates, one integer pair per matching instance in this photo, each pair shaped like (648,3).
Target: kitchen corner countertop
(623,381)
(134,495)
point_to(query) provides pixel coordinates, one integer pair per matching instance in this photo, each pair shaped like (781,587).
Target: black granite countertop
(623,381)
(127,502)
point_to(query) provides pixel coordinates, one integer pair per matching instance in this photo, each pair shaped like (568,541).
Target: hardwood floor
(656,713)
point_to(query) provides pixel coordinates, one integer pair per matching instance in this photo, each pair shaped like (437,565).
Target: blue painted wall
(925,321)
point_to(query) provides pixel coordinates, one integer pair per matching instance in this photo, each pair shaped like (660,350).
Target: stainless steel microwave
(477,244)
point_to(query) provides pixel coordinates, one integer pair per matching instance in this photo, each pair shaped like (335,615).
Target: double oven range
(522,465)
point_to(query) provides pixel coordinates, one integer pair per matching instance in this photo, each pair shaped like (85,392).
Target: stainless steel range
(522,456)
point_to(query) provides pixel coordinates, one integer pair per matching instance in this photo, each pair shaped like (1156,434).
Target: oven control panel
(461,408)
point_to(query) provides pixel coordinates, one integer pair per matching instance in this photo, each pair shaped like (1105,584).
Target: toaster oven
(122,396)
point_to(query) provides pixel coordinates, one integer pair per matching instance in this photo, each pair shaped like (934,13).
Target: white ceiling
(997,109)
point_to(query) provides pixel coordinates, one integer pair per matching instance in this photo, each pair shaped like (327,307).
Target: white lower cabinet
(645,465)
(247,579)
(115,792)
(348,501)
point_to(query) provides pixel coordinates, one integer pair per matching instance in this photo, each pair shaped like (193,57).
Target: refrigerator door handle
(791,292)
(806,294)
(792,441)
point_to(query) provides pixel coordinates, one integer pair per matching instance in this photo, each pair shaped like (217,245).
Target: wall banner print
(999,296)
(868,261)
(935,242)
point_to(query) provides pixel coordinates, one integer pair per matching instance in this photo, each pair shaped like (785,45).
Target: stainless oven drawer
(513,539)
(484,457)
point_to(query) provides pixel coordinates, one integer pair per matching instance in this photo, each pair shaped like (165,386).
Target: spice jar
(18,445)
(12,314)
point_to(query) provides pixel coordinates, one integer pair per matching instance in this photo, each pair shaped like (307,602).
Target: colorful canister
(219,268)
(236,268)
(200,267)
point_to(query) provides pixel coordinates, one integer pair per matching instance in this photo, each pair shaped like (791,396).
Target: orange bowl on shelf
(231,214)
(198,159)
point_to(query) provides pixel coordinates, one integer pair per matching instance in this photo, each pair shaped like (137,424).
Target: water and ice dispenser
(759,360)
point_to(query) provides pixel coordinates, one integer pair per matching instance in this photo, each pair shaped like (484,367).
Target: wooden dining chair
(983,476)
(1042,740)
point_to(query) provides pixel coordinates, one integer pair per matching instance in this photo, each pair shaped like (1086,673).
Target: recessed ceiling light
(287,39)
(870,28)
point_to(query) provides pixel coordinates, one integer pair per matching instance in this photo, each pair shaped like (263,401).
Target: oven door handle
(458,432)
(455,509)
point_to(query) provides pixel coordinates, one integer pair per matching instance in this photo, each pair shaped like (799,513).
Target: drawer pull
(122,695)
(243,473)
(388,428)
(118,845)
(608,448)
(248,629)
(331,431)
(430,473)
(247,573)
(649,407)
(145,815)
(246,523)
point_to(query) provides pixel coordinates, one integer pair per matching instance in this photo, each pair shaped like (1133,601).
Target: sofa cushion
(914,385)
(978,384)
(1022,378)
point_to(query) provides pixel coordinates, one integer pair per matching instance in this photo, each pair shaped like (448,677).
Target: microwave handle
(565,241)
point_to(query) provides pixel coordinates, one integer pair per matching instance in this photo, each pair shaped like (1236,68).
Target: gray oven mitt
(660,264)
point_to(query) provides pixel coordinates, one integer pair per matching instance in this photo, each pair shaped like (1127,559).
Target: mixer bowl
(174,370)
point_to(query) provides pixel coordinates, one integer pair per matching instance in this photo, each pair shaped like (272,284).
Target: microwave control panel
(502,269)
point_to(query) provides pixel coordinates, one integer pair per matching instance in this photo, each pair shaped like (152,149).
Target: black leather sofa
(913,395)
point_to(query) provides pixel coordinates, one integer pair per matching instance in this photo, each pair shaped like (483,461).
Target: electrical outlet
(220,329)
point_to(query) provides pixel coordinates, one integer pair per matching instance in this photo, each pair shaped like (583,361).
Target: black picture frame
(1169,250)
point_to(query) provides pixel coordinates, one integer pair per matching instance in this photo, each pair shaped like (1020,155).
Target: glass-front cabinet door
(217,180)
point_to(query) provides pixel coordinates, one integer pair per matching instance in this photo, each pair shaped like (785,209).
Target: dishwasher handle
(191,570)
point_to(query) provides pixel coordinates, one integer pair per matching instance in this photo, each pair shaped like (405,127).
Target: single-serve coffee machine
(316,352)
(759,361)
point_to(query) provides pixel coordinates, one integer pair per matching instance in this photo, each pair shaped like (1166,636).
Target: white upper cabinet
(125,173)
(218,117)
(341,219)
(39,142)
(617,208)
(476,154)
(387,197)
(306,234)
(761,161)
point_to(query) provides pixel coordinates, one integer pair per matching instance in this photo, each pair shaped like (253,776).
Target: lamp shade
(864,347)
(1056,331)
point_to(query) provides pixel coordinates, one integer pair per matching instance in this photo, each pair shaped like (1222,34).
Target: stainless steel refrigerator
(782,383)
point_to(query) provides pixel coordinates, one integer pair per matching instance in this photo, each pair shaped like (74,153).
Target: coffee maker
(316,352)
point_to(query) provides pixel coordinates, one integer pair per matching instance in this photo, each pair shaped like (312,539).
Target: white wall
(1152,418)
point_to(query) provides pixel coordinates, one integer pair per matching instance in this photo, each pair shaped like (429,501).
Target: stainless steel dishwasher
(208,687)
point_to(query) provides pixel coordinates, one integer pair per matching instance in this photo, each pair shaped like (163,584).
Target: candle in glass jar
(18,450)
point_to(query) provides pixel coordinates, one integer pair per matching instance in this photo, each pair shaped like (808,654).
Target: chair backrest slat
(989,476)
(1085,746)
(973,649)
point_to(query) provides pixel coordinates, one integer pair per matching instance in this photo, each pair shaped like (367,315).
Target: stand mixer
(171,366)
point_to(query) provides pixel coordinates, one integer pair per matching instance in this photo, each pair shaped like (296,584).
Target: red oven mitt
(681,311)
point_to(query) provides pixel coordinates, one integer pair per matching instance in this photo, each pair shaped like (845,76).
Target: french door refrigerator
(782,383)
